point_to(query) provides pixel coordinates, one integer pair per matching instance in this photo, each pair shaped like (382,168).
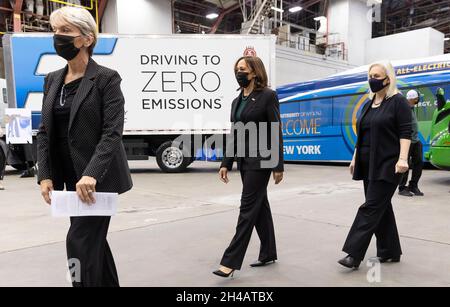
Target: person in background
(2,172)
(30,171)
(415,153)
(2,162)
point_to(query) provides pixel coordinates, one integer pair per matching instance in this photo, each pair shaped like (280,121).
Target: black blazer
(262,107)
(95,129)
(391,123)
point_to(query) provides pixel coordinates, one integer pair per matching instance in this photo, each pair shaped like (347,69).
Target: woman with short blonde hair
(79,18)
(80,142)
(380,159)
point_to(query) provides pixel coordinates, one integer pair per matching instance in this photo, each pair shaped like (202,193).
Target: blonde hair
(390,73)
(79,18)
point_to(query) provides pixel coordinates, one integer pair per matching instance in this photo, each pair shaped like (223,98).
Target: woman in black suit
(380,159)
(257,107)
(80,142)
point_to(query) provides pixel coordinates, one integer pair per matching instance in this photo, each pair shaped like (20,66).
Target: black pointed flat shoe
(416,191)
(405,192)
(350,262)
(223,274)
(389,259)
(262,263)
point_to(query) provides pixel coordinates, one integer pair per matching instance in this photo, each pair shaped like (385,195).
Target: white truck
(173,85)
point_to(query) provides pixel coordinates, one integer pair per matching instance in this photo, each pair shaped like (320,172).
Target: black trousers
(2,168)
(3,162)
(375,216)
(416,158)
(86,242)
(254,212)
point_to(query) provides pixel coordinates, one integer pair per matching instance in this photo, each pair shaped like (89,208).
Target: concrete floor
(172,229)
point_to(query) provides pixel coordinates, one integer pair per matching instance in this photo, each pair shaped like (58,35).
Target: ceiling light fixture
(277,9)
(212,16)
(295,9)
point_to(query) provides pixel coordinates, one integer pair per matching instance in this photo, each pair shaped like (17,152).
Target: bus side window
(339,118)
(343,108)
(316,116)
(425,108)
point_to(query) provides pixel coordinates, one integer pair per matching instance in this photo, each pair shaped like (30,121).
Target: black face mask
(242,79)
(65,47)
(377,85)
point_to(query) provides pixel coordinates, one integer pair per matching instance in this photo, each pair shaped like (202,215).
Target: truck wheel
(171,158)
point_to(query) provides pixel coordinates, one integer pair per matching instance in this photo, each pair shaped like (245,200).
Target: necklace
(376,105)
(65,92)
(62,101)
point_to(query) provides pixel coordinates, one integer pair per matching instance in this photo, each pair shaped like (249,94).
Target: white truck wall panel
(172,84)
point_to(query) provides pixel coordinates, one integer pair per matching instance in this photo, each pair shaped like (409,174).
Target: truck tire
(171,158)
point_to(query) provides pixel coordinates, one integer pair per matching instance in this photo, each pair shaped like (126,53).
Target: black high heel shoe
(350,262)
(223,274)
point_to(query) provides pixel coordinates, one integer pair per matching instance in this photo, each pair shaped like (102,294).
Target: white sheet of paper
(66,204)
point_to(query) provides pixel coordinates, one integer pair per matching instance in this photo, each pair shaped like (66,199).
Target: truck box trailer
(174,85)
